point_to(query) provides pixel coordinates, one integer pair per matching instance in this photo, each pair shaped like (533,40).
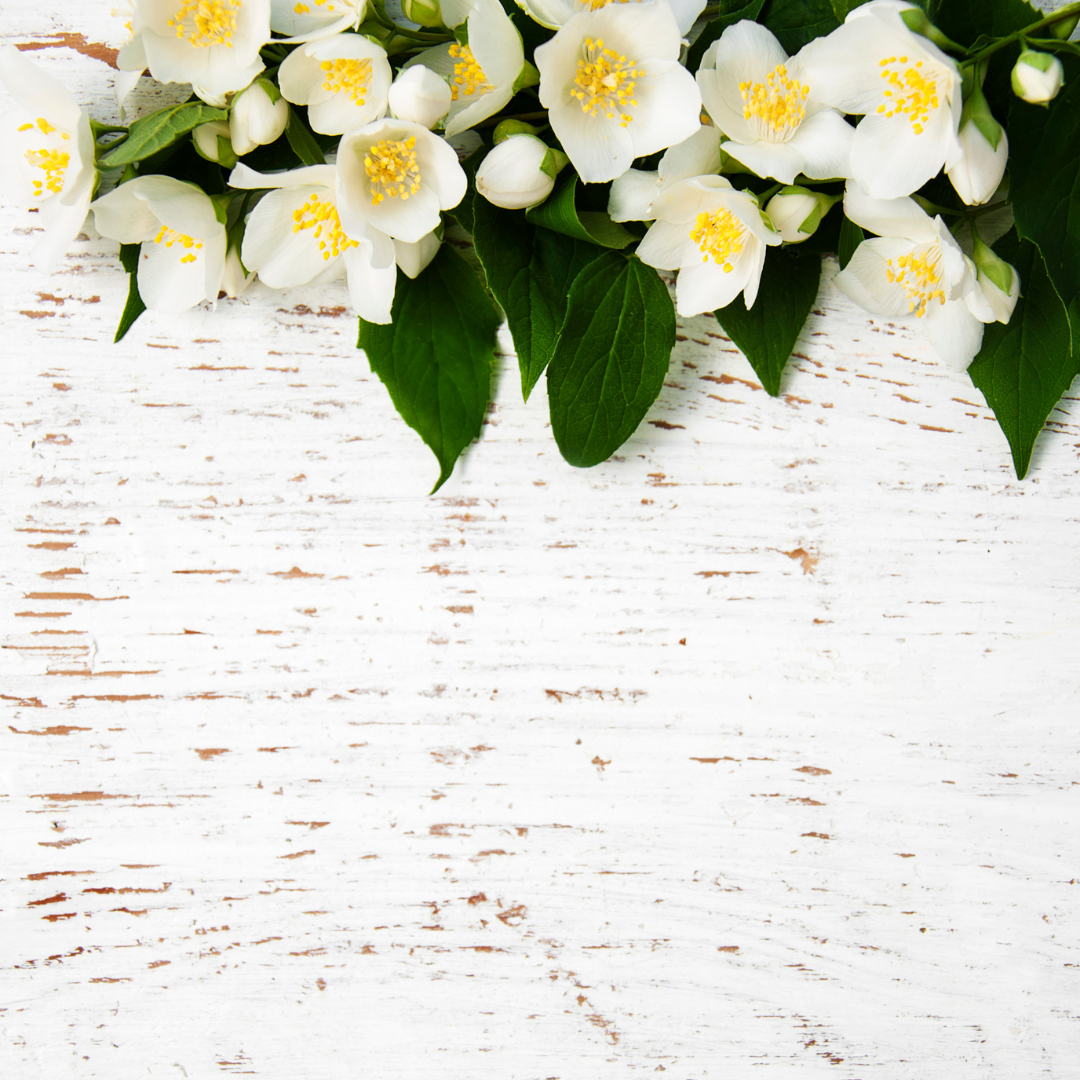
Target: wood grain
(752,749)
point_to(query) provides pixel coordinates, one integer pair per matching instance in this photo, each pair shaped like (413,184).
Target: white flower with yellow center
(907,89)
(614,88)
(48,159)
(343,80)
(914,268)
(212,44)
(305,20)
(774,122)
(182,260)
(396,177)
(555,13)
(482,73)
(715,237)
(294,237)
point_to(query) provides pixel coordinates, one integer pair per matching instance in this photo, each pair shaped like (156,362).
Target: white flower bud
(977,175)
(212,142)
(235,280)
(998,280)
(512,174)
(423,12)
(258,117)
(1037,77)
(420,96)
(796,212)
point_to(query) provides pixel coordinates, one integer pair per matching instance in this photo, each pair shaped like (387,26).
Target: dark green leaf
(768,331)
(435,357)
(797,22)
(529,270)
(851,236)
(611,357)
(965,20)
(731,12)
(1024,367)
(560,213)
(1044,156)
(129,259)
(843,8)
(302,141)
(158,130)
(463,212)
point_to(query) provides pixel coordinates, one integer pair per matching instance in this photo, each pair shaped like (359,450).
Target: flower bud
(506,128)
(998,280)
(424,12)
(420,96)
(212,142)
(258,116)
(977,175)
(796,212)
(513,176)
(1063,28)
(1037,77)
(235,279)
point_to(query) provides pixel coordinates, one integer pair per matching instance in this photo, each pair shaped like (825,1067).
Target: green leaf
(843,8)
(767,332)
(797,22)
(529,270)
(1024,367)
(129,259)
(463,212)
(1044,157)
(560,214)
(302,141)
(965,20)
(731,12)
(435,357)
(851,236)
(611,357)
(159,130)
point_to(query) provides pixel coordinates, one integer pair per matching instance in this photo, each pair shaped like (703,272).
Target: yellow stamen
(596,5)
(720,235)
(169,237)
(469,77)
(908,92)
(323,218)
(919,275)
(349,77)
(605,82)
(778,104)
(203,23)
(54,164)
(392,170)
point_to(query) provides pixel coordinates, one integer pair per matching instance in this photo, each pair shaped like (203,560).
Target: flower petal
(865,278)
(889,217)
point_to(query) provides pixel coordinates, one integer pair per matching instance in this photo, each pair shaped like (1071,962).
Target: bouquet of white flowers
(585,145)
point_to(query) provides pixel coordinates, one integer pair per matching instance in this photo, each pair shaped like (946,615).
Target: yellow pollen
(919,275)
(605,82)
(302,9)
(779,104)
(469,77)
(169,237)
(203,23)
(720,235)
(54,163)
(350,77)
(907,92)
(323,218)
(596,5)
(391,167)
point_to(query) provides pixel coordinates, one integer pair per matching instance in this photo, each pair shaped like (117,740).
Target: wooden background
(752,750)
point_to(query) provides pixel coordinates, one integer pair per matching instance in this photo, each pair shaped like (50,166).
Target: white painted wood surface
(753,750)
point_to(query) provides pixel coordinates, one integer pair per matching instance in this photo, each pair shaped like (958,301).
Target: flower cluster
(326,140)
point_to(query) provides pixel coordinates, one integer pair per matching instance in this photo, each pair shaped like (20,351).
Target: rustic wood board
(750,750)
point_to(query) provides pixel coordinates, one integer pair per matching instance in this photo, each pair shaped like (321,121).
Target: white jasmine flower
(512,174)
(182,260)
(614,88)
(915,268)
(212,44)
(342,80)
(258,117)
(48,159)
(419,96)
(633,193)
(481,75)
(767,106)
(396,177)
(908,89)
(305,20)
(294,237)
(1037,77)
(715,237)
(554,13)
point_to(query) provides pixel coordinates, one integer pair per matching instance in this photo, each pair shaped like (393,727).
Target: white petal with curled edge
(705,287)
(889,217)
(632,195)
(413,258)
(371,288)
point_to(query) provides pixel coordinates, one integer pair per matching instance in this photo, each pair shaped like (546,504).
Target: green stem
(1062,13)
